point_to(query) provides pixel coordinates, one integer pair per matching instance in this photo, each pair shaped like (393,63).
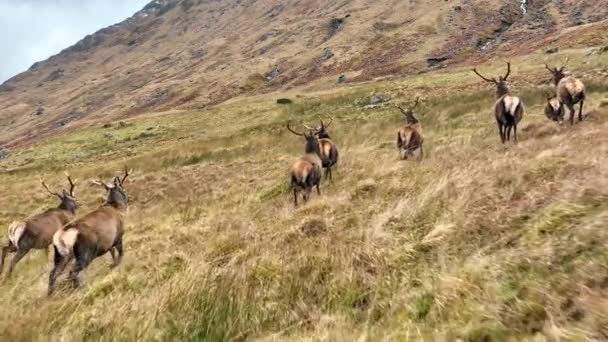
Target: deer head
(321,131)
(502,87)
(557,73)
(409,112)
(312,142)
(117,197)
(68,201)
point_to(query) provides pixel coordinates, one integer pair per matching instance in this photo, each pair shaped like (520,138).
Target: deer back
(409,138)
(329,151)
(570,90)
(100,227)
(42,227)
(509,109)
(554,109)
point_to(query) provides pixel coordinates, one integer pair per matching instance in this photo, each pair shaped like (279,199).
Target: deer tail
(15,232)
(64,241)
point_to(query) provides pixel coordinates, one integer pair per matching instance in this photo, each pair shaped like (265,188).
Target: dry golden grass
(478,241)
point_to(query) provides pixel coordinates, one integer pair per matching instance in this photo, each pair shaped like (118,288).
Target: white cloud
(33,30)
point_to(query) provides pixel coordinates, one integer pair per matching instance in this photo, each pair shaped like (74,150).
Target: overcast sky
(33,30)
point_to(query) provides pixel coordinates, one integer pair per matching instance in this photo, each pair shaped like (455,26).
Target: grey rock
(273,74)
(4,153)
(327,54)
(378,98)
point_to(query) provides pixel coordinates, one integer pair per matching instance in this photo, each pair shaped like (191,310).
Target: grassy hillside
(478,241)
(193,54)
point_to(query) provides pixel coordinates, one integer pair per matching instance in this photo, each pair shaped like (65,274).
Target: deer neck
(501,91)
(70,209)
(313,149)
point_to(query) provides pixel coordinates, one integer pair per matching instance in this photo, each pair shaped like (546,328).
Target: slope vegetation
(478,241)
(192,54)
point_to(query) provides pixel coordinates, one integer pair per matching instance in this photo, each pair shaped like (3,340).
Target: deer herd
(100,232)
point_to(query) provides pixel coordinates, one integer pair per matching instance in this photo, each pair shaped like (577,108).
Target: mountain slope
(196,53)
(478,241)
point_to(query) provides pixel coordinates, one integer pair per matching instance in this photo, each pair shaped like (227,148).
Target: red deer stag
(570,90)
(37,231)
(508,110)
(409,137)
(93,235)
(329,150)
(554,109)
(306,172)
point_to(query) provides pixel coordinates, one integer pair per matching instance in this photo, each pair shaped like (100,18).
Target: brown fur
(92,236)
(409,137)
(305,173)
(569,91)
(409,140)
(508,109)
(554,110)
(37,231)
(329,150)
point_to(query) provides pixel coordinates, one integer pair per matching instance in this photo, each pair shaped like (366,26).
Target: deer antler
(549,68)
(100,183)
(416,102)
(331,119)
(408,114)
(49,190)
(508,71)
(311,128)
(127,173)
(492,80)
(294,132)
(402,110)
(72,185)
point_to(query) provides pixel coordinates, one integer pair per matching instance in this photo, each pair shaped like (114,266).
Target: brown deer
(508,110)
(305,173)
(37,232)
(329,150)
(554,109)
(409,137)
(93,235)
(570,90)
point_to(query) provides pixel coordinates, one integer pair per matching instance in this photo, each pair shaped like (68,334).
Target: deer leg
(20,254)
(295,197)
(508,129)
(82,262)
(318,189)
(118,247)
(572,112)
(580,111)
(60,263)
(421,152)
(5,250)
(306,194)
(501,132)
(113,255)
(515,133)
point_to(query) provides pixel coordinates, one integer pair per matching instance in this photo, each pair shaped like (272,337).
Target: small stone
(4,152)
